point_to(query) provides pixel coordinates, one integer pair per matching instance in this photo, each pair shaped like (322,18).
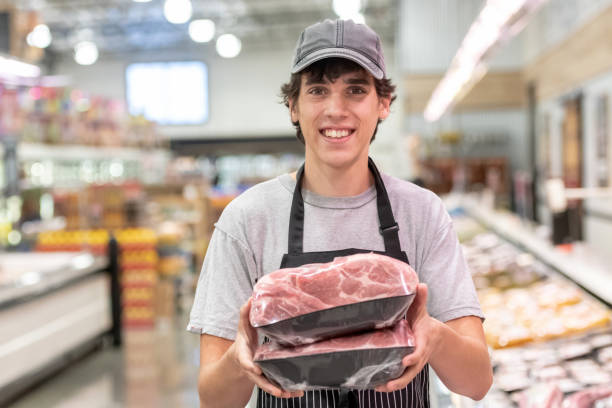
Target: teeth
(336,133)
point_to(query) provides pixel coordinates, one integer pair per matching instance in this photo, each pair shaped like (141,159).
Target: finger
(400,382)
(421,297)
(245,310)
(292,394)
(271,388)
(412,359)
(266,385)
(246,361)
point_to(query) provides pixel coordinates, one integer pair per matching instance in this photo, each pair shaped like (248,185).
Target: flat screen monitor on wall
(169,93)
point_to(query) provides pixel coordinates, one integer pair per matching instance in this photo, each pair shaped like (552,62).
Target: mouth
(336,134)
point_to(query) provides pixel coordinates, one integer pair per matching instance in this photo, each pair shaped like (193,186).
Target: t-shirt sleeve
(224,285)
(451,291)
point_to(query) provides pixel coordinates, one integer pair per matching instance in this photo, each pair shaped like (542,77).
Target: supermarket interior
(128,126)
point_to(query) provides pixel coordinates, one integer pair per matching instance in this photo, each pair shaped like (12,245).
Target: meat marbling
(292,292)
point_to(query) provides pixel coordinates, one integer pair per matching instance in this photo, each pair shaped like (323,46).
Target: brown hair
(331,69)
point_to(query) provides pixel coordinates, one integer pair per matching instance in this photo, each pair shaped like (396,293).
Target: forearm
(462,363)
(224,384)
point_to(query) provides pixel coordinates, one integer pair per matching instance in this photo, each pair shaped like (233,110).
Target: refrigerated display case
(547,310)
(53,308)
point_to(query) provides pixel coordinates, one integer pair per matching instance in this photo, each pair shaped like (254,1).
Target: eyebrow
(350,81)
(357,81)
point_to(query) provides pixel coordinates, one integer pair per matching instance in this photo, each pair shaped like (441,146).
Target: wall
(555,22)
(243,91)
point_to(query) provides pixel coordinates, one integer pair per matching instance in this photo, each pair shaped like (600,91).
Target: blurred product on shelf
(94,241)
(445,174)
(138,265)
(61,115)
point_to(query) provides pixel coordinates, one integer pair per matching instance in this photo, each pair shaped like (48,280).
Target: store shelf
(33,151)
(588,268)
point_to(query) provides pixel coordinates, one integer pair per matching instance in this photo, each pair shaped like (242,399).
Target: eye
(316,90)
(357,90)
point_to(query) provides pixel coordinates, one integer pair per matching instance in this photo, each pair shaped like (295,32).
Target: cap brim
(340,53)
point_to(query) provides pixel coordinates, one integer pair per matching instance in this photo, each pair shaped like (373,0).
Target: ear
(293,110)
(383,107)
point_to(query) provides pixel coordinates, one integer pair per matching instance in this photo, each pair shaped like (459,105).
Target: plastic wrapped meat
(586,398)
(361,361)
(541,396)
(318,301)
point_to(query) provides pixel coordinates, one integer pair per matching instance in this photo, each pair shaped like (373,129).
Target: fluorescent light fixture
(202,31)
(345,9)
(85,53)
(178,11)
(12,68)
(40,36)
(228,46)
(497,22)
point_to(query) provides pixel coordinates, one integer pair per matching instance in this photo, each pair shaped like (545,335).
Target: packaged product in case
(318,301)
(586,398)
(361,361)
(541,396)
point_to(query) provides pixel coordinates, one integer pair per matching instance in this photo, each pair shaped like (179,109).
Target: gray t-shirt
(250,239)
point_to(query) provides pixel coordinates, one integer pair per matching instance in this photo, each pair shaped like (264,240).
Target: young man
(337,203)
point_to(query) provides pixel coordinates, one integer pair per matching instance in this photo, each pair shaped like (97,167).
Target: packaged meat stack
(335,325)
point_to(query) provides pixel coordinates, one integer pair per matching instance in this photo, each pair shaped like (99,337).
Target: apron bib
(416,394)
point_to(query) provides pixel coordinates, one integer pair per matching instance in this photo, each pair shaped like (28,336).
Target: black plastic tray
(338,321)
(366,369)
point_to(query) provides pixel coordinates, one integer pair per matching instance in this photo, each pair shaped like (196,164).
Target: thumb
(420,301)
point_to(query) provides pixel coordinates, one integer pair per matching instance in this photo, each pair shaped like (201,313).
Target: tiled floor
(154,368)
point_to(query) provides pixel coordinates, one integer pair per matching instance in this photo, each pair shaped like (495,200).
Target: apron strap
(296,219)
(388,227)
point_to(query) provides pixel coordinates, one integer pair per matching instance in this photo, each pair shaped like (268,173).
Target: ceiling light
(228,45)
(178,11)
(40,36)
(202,31)
(14,68)
(346,9)
(498,21)
(85,53)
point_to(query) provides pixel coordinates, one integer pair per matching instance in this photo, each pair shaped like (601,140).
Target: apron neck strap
(388,228)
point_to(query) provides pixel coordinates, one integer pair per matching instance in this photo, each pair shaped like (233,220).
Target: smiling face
(338,117)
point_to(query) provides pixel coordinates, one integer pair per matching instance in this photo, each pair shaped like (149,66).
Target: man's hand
(425,329)
(243,350)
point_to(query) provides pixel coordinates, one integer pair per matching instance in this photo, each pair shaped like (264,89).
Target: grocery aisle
(154,368)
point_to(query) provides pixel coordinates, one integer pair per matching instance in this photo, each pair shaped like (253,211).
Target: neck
(337,182)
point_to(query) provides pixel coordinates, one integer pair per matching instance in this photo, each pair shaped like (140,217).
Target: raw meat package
(588,397)
(314,302)
(361,361)
(546,395)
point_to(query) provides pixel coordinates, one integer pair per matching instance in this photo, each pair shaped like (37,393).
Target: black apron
(416,394)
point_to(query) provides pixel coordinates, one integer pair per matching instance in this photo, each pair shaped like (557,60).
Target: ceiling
(124,26)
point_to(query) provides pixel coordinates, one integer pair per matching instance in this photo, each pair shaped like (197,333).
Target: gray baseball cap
(341,39)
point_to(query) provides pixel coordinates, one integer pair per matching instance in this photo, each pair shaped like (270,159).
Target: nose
(335,106)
